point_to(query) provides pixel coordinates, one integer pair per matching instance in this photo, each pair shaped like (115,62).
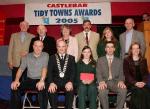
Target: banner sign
(67,13)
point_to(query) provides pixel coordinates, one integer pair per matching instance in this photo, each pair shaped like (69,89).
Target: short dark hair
(86,21)
(110,42)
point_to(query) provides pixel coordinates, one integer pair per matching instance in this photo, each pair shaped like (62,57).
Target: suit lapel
(124,41)
(83,38)
(91,38)
(133,36)
(26,38)
(18,38)
(106,67)
(113,67)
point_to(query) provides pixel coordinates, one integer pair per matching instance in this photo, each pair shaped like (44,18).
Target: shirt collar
(87,32)
(43,37)
(130,31)
(35,56)
(61,55)
(108,57)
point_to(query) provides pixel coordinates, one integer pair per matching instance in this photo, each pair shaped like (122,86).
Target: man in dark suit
(110,77)
(49,42)
(61,71)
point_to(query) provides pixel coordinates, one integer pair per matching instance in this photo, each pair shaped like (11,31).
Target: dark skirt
(140,98)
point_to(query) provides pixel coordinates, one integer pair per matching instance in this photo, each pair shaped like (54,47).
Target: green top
(101,49)
(88,68)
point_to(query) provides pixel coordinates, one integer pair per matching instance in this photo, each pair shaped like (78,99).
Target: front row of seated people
(49,75)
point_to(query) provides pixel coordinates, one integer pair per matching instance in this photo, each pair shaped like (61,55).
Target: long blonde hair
(112,37)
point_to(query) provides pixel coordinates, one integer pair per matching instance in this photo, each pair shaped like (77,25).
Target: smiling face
(135,50)
(65,31)
(87,26)
(109,48)
(41,29)
(129,24)
(38,47)
(24,26)
(108,35)
(86,53)
(61,47)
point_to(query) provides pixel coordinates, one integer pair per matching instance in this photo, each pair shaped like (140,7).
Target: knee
(82,89)
(103,93)
(122,92)
(93,89)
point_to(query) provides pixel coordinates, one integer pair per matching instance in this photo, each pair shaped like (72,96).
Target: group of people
(86,64)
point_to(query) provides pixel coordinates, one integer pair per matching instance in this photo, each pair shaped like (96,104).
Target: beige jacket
(16,47)
(93,42)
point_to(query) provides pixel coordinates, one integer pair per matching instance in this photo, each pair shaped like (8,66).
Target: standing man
(36,64)
(87,38)
(61,73)
(18,47)
(49,42)
(129,37)
(110,77)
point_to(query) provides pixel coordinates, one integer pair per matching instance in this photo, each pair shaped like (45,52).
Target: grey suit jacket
(102,70)
(93,42)
(136,37)
(16,47)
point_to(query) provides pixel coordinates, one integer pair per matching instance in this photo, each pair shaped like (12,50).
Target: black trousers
(28,84)
(23,77)
(68,97)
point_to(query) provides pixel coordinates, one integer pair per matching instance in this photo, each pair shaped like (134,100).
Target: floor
(4,104)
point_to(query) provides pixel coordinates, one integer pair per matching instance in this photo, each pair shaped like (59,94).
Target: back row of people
(87,37)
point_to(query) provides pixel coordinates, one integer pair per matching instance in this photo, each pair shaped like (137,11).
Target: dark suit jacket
(130,71)
(53,73)
(49,45)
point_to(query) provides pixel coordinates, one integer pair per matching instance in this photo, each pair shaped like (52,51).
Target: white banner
(67,13)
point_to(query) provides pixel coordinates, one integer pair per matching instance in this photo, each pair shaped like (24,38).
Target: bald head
(24,25)
(129,24)
(61,47)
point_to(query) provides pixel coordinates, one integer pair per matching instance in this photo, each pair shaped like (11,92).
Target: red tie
(86,38)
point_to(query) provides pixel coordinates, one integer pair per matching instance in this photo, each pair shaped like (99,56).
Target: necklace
(62,71)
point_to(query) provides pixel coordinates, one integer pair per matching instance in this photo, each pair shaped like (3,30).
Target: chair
(62,93)
(115,94)
(26,101)
(75,102)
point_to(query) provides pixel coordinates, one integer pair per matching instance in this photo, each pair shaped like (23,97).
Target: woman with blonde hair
(108,36)
(70,41)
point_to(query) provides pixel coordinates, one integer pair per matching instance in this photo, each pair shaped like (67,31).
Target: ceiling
(6,2)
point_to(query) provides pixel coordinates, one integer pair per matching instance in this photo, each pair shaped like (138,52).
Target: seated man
(110,77)
(36,64)
(61,71)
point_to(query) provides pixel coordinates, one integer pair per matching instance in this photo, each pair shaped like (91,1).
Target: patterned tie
(109,66)
(62,57)
(86,38)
